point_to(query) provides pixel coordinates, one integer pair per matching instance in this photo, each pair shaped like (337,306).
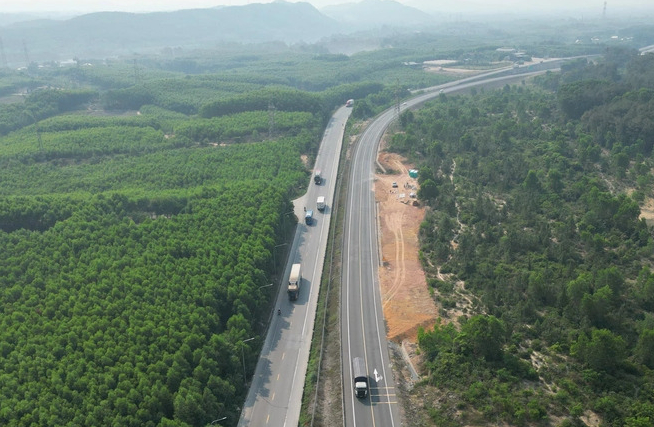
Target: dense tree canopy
(40,104)
(541,222)
(135,250)
(100,311)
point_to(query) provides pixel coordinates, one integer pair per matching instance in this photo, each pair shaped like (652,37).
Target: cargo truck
(360,377)
(317,177)
(349,103)
(294,282)
(320,203)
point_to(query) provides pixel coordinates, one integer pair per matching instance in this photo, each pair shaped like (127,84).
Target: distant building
(513,55)
(412,64)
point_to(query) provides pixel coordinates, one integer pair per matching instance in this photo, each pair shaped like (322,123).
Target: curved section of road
(274,398)
(363,331)
(275,395)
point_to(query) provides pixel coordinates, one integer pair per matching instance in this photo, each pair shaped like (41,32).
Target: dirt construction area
(405,296)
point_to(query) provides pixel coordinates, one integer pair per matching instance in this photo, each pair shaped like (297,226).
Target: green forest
(138,224)
(142,211)
(142,199)
(535,194)
(131,268)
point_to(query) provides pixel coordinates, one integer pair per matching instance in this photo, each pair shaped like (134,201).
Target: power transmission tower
(38,136)
(27,56)
(76,74)
(397,99)
(271,119)
(3,57)
(137,77)
(27,116)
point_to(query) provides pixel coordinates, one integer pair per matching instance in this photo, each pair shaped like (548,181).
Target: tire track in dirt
(395,225)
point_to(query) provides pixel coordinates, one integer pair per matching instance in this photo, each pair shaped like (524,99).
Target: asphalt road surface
(362,320)
(275,395)
(363,332)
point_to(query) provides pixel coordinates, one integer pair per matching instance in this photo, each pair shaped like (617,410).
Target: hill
(106,34)
(369,14)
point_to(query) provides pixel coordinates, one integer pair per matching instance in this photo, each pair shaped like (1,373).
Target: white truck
(320,203)
(295,282)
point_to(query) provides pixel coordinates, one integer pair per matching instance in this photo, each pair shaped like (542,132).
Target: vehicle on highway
(308,217)
(360,377)
(294,282)
(320,203)
(349,103)
(275,393)
(317,177)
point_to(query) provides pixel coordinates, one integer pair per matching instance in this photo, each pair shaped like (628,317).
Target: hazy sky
(151,5)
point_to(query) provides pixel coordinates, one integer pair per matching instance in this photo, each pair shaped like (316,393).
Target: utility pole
(604,11)
(245,381)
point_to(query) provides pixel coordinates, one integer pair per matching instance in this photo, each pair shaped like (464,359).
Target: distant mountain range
(105,34)
(374,13)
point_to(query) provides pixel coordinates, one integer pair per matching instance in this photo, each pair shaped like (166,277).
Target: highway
(363,332)
(646,49)
(275,394)
(274,398)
